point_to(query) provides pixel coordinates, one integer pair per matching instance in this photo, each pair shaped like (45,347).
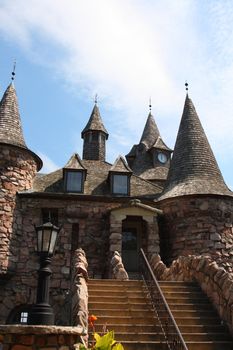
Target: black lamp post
(42,313)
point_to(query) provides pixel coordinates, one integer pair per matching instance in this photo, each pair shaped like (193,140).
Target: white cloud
(48,164)
(129,50)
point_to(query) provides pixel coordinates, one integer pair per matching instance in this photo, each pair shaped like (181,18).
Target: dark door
(130,249)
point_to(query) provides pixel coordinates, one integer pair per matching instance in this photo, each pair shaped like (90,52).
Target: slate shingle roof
(95,122)
(11,132)
(10,123)
(150,132)
(120,165)
(97,181)
(193,169)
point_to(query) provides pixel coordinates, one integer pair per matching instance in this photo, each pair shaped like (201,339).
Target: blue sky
(125,51)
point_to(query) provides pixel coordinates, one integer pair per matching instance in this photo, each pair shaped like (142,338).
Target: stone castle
(172,203)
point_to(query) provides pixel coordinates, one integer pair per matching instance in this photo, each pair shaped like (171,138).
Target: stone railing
(117,268)
(24,337)
(80,291)
(214,280)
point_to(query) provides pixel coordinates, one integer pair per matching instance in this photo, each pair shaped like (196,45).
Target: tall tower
(150,159)
(18,166)
(94,137)
(196,201)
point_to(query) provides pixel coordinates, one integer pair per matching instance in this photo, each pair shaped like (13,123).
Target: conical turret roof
(194,169)
(95,122)
(10,123)
(150,132)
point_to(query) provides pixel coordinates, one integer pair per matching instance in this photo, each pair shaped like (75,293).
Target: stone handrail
(214,280)
(117,268)
(79,290)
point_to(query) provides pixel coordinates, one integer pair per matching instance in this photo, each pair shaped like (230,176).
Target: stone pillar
(115,238)
(152,235)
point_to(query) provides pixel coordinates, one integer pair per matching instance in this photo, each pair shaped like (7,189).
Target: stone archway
(126,219)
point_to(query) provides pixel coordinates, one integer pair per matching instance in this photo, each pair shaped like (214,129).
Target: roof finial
(13,72)
(150,104)
(186,86)
(96,99)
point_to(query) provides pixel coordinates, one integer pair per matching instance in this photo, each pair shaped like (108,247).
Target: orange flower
(91,320)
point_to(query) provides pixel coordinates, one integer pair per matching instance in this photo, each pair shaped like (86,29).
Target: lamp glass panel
(39,240)
(53,241)
(46,239)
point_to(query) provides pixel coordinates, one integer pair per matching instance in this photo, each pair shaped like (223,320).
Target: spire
(194,169)
(10,123)
(95,122)
(150,132)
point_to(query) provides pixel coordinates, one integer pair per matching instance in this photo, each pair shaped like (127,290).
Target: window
(120,184)
(24,317)
(19,315)
(74,181)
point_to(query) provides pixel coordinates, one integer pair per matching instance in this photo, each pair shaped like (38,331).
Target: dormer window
(74,180)
(120,184)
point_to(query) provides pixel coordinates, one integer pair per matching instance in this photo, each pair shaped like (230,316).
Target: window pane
(120,184)
(74,181)
(24,317)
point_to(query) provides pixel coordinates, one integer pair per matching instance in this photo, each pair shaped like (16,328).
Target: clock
(162,157)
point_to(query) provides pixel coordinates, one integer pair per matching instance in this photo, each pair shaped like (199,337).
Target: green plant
(102,342)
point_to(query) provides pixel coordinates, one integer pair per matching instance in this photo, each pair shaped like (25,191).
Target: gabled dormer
(119,177)
(94,137)
(74,175)
(161,153)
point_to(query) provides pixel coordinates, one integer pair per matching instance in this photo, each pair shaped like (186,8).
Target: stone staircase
(125,307)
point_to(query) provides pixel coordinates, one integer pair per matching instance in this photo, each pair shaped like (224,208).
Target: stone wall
(20,337)
(214,280)
(197,225)
(84,225)
(17,170)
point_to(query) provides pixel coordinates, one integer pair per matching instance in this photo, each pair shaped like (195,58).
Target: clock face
(162,157)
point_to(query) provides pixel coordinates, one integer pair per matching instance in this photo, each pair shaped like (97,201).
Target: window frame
(127,193)
(66,172)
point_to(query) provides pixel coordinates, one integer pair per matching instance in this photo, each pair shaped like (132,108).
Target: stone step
(197,320)
(190,306)
(112,288)
(110,282)
(191,313)
(118,299)
(124,312)
(192,289)
(206,337)
(109,319)
(114,293)
(183,295)
(120,305)
(127,328)
(143,345)
(207,328)
(186,299)
(210,345)
(140,336)
(177,283)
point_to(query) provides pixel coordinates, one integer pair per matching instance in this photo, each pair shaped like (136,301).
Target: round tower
(196,202)
(18,166)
